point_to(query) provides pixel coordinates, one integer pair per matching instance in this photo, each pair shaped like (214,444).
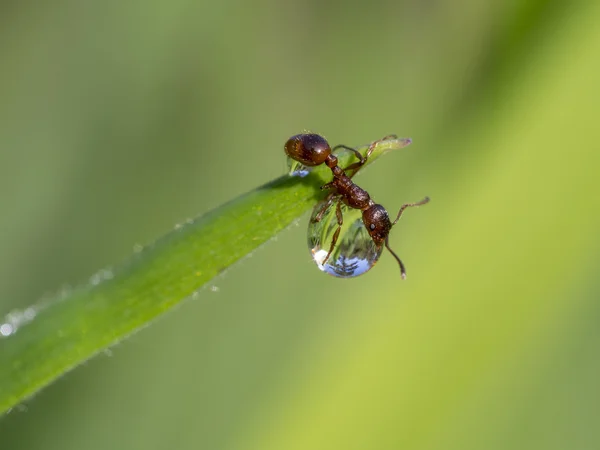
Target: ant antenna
(387,238)
(402,268)
(408,205)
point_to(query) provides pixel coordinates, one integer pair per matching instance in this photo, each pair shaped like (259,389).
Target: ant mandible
(313,150)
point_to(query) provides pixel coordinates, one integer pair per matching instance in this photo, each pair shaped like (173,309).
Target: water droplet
(107,352)
(101,275)
(15,320)
(107,274)
(29,314)
(297,169)
(354,253)
(65,290)
(214,289)
(178,226)
(6,329)
(21,407)
(138,248)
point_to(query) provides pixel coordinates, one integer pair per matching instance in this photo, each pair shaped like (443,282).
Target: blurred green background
(120,119)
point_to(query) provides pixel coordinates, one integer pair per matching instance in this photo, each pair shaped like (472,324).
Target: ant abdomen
(308,149)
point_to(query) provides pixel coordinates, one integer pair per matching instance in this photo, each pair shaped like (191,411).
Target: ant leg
(340,221)
(326,203)
(408,205)
(378,141)
(355,167)
(358,155)
(327,185)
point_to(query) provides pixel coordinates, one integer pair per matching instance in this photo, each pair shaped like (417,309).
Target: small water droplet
(29,314)
(107,274)
(65,290)
(6,329)
(178,226)
(108,352)
(95,279)
(101,275)
(21,407)
(138,248)
(354,253)
(214,289)
(195,294)
(296,169)
(15,320)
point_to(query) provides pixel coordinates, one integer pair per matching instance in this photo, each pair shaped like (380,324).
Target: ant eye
(372,226)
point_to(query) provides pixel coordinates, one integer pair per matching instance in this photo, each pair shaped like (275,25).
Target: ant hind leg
(358,155)
(355,167)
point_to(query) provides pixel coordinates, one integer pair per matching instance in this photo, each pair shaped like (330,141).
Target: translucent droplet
(297,169)
(354,253)
(6,329)
(15,320)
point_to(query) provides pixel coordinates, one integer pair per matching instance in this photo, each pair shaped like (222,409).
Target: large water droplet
(354,253)
(297,169)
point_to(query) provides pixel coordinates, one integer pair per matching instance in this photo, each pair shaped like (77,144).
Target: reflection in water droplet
(354,253)
(297,169)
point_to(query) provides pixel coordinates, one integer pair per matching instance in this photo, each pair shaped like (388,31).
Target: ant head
(377,222)
(308,149)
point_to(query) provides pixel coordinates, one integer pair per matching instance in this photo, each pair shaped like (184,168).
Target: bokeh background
(120,119)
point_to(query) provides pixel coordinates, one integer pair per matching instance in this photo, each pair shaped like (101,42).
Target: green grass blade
(43,342)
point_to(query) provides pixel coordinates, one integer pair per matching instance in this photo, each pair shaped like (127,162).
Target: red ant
(314,150)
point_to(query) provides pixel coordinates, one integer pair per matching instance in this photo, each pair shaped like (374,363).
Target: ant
(313,150)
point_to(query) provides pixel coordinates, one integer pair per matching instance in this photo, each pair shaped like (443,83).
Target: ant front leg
(340,221)
(355,167)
